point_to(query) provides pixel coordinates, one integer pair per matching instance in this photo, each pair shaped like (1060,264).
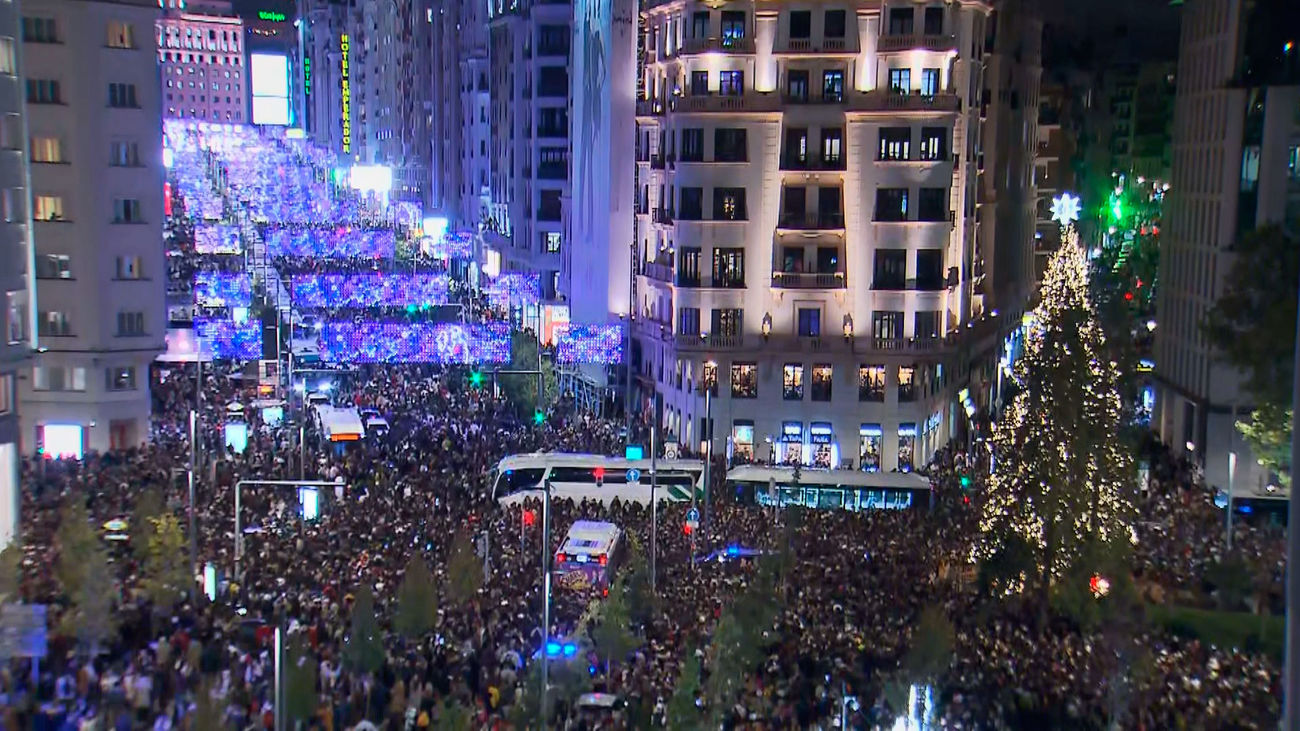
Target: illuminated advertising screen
(270,74)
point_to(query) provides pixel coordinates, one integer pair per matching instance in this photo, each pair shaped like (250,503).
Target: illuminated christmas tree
(1058,493)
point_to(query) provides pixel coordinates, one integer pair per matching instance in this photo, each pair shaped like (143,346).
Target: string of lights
(393,342)
(589,344)
(229,340)
(222,289)
(369,290)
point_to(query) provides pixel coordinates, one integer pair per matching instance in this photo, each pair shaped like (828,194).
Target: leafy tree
(642,602)
(1252,327)
(148,507)
(683,714)
(76,541)
(735,653)
(464,570)
(613,635)
(91,618)
(363,650)
(522,389)
(299,681)
(455,716)
(526,707)
(1268,434)
(1231,578)
(166,567)
(931,652)
(208,712)
(1061,479)
(417,600)
(11,574)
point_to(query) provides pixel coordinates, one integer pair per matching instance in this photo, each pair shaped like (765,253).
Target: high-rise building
(94,121)
(460,111)
(16,264)
(1053,168)
(1235,167)
(813,239)
(528,173)
(204,67)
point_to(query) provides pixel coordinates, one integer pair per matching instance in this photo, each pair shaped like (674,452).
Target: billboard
(270,76)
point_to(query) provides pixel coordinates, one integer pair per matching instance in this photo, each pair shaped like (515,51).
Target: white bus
(828,489)
(340,424)
(589,555)
(594,477)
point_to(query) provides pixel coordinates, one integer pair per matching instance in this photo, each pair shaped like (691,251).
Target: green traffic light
(476,379)
(538,417)
(965,481)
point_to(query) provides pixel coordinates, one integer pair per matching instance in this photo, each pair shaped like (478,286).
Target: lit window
(47,149)
(120,34)
(48,208)
(8,64)
(120,379)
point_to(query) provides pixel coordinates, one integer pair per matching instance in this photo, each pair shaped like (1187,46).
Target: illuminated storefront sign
(271,15)
(347,95)
(306,76)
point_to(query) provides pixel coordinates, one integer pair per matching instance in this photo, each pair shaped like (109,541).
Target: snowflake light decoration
(1065,209)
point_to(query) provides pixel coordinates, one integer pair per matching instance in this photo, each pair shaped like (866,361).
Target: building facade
(204,67)
(1235,167)
(814,247)
(94,121)
(16,265)
(460,112)
(528,114)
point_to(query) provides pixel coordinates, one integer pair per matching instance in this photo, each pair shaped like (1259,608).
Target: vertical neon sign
(347,95)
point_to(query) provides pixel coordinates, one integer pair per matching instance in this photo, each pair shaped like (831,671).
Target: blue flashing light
(733,550)
(552,649)
(1245,509)
(570,649)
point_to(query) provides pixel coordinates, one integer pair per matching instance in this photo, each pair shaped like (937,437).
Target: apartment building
(461,102)
(528,114)
(1054,175)
(1235,167)
(94,120)
(203,66)
(814,245)
(16,265)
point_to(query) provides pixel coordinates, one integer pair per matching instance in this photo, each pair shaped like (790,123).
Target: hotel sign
(347,95)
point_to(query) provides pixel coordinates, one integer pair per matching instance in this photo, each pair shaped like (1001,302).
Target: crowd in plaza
(848,614)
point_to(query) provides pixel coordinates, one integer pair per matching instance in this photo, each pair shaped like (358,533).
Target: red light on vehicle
(598,473)
(604,560)
(529,518)
(560,558)
(605,592)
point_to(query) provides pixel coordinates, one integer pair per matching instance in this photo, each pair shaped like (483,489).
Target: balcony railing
(724,104)
(657,271)
(811,221)
(649,108)
(688,280)
(725,45)
(813,164)
(709,342)
(663,215)
(916,41)
(886,100)
(809,280)
(930,284)
(809,45)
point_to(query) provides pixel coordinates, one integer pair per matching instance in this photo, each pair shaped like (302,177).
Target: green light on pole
(476,379)
(965,481)
(538,417)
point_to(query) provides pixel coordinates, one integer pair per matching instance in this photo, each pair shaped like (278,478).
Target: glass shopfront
(791,442)
(870,436)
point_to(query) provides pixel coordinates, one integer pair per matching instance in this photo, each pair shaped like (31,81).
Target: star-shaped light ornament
(1065,209)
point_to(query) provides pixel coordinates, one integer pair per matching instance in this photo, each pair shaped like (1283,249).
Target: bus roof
(814,477)
(592,537)
(341,424)
(569,459)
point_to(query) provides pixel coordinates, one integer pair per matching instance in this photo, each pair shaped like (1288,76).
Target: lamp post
(710,381)
(239,488)
(1290,673)
(654,502)
(546,594)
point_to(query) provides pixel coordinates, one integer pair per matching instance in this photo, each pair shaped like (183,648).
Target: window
(8,61)
(887,326)
(871,383)
(120,34)
(731,83)
(47,150)
(829,211)
(891,204)
(699,83)
(733,27)
(16,316)
(890,269)
(744,380)
(700,24)
(120,379)
(549,209)
(688,321)
(48,208)
(729,145)
(6,393)
(833,86)
(553,163)
(929,269)
(53,266)
(553,40)
(821,382)
(794,205)
(40,30)
(729,204)
(127,210)
(44,91)
(900,81)
(934,143)
(933,21)
(906,446)
(728,322)
(47,378)
(53,324)
(906,384)
(929,82)
(130,324)
(835,24)
(927,325)
(122,96)
(900,21)
(692,208)
(810,322)
(792,381)
(553,122)
(833,146)
(932,204)
(729,268)
(551,242)
(895,143)
(692,145)
(709,378)
(795,152)
(800,24)
(553,81)
(796,83)
(129,267)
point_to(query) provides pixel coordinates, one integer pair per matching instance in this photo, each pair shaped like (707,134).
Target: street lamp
(710,382)
(546,591)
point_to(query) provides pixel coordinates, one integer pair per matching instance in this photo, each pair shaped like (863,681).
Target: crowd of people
(848,614)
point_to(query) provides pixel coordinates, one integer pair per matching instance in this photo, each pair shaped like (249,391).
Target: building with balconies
(94,125)
(806,242)
(204,65)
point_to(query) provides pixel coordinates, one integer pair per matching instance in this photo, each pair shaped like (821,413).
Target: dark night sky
(1109,30)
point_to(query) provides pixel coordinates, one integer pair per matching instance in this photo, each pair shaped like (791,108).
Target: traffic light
(476,378)
(538,417)
(965,482)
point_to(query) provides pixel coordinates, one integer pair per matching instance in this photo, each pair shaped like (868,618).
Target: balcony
(821,45)
(728,282)
(927,284)
(724,45)
(649,108)
(688,280)
(657,162)
(811,221)
(811,164)
(811,99)
(657,271)
(809,280)
(885,100)
(709,342)
(916,42)
(909,345)
(720,104)
(663,216)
